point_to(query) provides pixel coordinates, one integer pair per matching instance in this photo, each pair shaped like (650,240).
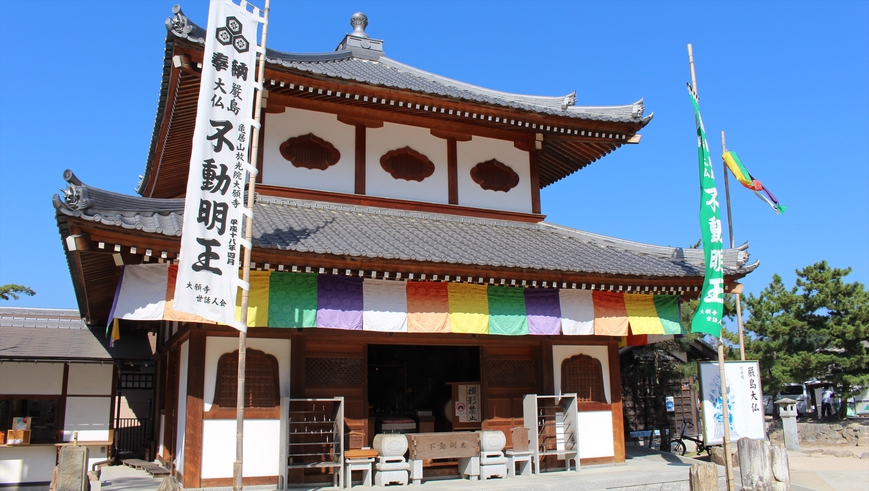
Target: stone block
(72,469)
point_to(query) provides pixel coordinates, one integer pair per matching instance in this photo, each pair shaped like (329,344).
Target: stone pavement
(827,473)
(643,471)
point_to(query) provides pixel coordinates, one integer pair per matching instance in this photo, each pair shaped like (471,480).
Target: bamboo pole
(728,464)
(737,292)
(238,465)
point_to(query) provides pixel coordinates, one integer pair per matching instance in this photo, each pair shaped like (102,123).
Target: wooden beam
(358,121)
(454,135)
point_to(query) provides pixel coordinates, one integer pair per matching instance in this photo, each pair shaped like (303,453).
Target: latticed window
(261,384)
(583,375)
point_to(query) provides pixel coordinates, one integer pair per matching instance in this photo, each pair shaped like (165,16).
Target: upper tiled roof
(386,72)
(383,233)
(60,334)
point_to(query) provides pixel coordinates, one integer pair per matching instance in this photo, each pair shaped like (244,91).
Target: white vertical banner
(210,257)
(744,401)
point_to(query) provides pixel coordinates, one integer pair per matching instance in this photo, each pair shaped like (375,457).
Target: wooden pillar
(359,185)
(195,408)
(535,181)
(616,402)
(262,137)
(453,171)
(170,408)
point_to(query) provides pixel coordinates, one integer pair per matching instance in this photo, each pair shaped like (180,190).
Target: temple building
(404,278)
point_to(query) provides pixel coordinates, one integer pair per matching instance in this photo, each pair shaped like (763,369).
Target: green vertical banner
(707,318)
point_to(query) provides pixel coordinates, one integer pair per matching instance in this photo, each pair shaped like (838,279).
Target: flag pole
(237,474)
(728,464)
(737,292)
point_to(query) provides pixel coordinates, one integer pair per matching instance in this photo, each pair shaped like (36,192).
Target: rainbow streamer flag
(310,300)
(741,174)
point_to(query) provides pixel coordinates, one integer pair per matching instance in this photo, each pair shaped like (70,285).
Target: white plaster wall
(217,346)
(90,379)
(563,352)
(261,447)
(378,182)
(481,149)
(96,454)
(89,416)
(297,122)
(182,406)
(596,434)
(31,378)
(21,463)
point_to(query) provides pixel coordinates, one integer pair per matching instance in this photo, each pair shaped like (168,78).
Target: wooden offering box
(18,437)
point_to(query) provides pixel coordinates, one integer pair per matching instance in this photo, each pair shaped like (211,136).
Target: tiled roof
(390,73)
(383,233)
(60,334)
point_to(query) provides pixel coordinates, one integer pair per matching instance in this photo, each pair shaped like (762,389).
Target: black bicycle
(677,445)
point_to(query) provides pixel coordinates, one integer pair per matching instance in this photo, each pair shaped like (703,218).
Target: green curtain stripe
(668,312)
(292,299)
(507,314)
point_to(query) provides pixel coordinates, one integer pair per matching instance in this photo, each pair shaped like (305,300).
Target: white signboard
(744,401)
(213,209)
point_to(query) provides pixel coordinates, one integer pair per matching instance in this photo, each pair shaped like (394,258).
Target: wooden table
(446,445)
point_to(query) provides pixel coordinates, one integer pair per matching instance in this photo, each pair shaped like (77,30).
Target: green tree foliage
(13,291)
(816,330)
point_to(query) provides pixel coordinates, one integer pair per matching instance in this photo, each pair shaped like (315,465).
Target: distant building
(62,375)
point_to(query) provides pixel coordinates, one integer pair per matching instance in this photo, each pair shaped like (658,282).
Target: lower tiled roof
(60,334)
(307,226)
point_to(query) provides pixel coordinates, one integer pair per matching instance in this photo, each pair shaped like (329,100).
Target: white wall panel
(481,149)
(563,352)
(215,347)
(22,463)
(279,171)
(31,378)
(596,434)
(261,447)
(90,379)
(89,416)
(378,182)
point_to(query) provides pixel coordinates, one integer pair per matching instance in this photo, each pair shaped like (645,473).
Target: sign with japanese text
(210,255)
(707,317)
(744,401)
(468,404)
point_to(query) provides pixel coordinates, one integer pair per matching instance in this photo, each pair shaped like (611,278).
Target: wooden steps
(155,470)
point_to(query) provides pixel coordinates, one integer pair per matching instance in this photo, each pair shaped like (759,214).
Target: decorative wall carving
(494,176)
(511,373)
(261,384)
(310,152)
(333,372)
(408,164)
(583,375)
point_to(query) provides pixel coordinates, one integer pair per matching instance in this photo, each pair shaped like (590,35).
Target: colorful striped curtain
(308,300)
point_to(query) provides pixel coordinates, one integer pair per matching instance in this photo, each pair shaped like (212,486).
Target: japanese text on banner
(213,209)
(707,318)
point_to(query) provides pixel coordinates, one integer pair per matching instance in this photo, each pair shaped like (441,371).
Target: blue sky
(787,81)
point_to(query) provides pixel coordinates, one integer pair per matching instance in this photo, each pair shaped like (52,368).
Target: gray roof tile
(369,232)
(60,334)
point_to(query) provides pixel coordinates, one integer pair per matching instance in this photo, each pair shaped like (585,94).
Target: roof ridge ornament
(569,100)
(75,196)
(179,24)
(359,22)
(358,42)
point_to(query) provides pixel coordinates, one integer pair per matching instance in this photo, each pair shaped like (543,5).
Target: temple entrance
(412,383)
